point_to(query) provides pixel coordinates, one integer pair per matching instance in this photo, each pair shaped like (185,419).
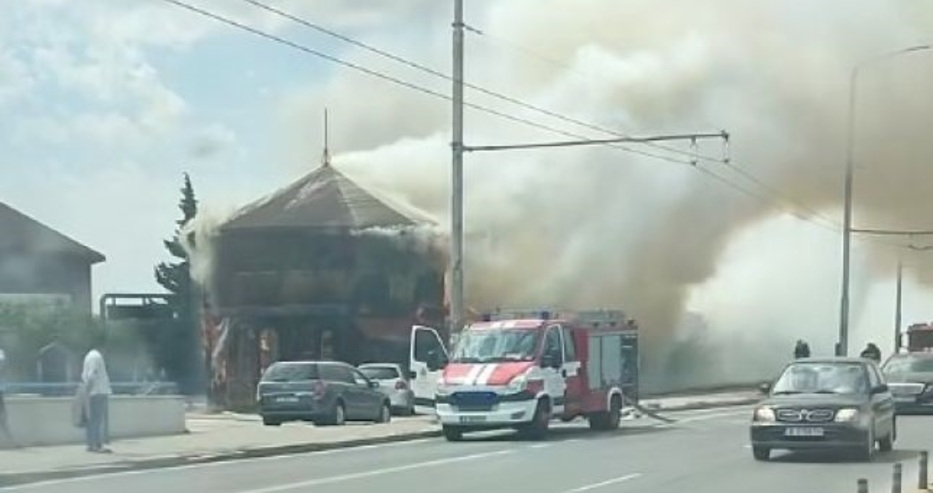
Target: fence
(69,389)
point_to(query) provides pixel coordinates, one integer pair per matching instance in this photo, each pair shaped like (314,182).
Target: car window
(291,372)
(552,342)
(426,343)
(908,364)
(380,372)
(359,378)
(570,345)
(823,378)
(336,373)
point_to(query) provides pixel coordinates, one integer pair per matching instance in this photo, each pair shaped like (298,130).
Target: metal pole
(456,202)
(862,486)
(842,347)
(923,482)
(897,305)
(896,480)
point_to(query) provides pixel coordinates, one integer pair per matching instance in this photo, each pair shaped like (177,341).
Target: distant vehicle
(920,337)
(838,404)
(393,382)
(910,377)
(323,392)
(522,369)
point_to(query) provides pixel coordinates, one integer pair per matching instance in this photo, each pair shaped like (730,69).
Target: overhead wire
(777,199)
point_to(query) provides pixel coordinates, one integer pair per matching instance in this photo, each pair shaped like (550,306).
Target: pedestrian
(96,384)
(801,350)
(871,351)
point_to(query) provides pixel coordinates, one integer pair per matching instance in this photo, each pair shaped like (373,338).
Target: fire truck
(920,337)
(523,369)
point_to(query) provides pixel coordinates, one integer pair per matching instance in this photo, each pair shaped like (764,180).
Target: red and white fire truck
(521,369)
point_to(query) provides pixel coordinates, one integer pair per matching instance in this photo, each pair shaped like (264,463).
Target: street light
(843,344)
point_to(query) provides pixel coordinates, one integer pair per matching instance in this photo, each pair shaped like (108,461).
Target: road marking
(540,445)
(222,463)
(608,482)
(375,472)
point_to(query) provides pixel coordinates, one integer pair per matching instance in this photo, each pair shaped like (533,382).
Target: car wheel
(761,453)
(452,434)
(337,418)
(385,413)
(540,423)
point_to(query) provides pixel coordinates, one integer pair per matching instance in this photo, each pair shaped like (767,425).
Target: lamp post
(843,343)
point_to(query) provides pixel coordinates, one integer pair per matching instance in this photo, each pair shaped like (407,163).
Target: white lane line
(223,463)
(375,472)
(540,445)
(608,482)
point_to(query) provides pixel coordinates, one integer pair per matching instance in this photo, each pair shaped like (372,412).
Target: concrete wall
(38,421)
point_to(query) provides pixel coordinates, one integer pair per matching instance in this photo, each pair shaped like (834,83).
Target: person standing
(801,350)
(97,386)
(871,351)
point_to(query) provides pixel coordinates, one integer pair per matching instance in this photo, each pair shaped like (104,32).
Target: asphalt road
(706,452)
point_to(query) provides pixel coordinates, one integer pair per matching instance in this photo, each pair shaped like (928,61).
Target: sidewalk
(226,436)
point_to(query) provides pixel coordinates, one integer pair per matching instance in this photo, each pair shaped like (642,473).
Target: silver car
(393,382)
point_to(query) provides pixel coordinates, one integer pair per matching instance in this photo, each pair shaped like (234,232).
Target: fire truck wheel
(452,434)
(607,420)
(540,424)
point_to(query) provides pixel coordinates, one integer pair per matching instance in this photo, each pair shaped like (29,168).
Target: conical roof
(324,198)
(21,232)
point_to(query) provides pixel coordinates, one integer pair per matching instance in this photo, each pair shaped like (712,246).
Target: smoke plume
(598,227)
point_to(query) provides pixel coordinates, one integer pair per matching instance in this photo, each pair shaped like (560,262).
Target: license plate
(287,400)
(804,432)
(472,419)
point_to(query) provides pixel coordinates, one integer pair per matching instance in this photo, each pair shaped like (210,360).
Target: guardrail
(923,479)
(68,389)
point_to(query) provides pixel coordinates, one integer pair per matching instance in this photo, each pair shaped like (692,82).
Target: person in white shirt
(97,385)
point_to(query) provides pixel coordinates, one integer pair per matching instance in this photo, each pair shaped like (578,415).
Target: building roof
(19,232)
(326,199)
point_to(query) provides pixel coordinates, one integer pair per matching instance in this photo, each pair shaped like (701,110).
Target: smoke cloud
(597,227)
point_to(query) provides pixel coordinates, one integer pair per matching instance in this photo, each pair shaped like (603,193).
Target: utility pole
(898,304)
(456,185)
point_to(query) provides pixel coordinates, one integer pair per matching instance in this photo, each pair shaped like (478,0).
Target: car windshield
(908,364)
(822,378)
(379,372)
(487,346)
(290,372)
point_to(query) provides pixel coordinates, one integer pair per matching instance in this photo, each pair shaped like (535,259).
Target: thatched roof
(21,233)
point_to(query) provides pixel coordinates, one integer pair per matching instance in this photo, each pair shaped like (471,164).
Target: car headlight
(517,384)
(847,415)
(764,415)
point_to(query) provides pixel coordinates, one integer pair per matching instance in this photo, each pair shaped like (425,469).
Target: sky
(106,103)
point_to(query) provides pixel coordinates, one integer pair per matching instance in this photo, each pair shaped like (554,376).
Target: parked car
(393,382)
(323,392)
(910,377)
(835,404)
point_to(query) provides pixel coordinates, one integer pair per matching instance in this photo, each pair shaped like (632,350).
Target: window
(359,378)
(425,343)
(337,373)
(570,345)
(553,344)
(290,372)
(380,372)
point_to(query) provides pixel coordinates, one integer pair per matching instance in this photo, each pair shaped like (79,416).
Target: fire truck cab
(522,369)
(920,337)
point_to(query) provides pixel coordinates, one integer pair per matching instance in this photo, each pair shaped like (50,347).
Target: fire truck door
(427,359)
(570,371)
(552,368)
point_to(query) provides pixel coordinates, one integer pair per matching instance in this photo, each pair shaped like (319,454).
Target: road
(705,452)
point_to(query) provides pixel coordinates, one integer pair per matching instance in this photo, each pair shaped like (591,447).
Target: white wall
(47,420)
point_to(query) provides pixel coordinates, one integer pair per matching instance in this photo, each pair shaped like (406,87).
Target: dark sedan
(326,393)
(910,377)
(838,404)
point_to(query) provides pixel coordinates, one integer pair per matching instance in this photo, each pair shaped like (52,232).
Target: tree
(176,277)
(176,346)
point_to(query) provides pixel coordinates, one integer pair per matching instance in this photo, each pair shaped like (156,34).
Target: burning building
(321,269)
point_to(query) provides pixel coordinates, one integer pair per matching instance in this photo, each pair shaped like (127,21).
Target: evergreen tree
(176,277)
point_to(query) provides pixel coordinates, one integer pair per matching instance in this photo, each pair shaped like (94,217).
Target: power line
(483,90)
(395,80)
(380,75)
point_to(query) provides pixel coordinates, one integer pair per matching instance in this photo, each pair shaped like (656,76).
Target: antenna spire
(326,156)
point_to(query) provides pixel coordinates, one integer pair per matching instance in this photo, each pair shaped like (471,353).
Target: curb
(14,479)
(696,406)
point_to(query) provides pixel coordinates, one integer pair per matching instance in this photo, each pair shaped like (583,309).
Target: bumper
(401,400)
(502,415)
(834,436)
(304,411)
